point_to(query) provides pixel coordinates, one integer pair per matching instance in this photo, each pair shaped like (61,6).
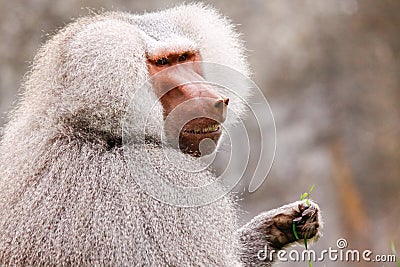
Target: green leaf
(393,248)
(312,188)
(304,196)
(294,231)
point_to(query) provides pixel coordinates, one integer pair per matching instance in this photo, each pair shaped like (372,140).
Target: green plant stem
(294,231)
(305,196)
(392,246)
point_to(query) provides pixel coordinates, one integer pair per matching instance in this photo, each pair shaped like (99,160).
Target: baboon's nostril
(219,104)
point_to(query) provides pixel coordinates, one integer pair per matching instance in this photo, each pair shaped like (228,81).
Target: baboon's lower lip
(204,130)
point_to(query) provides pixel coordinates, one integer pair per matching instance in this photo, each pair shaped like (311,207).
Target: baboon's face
(193,111)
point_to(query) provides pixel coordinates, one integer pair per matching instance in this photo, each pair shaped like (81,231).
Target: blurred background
(331,73)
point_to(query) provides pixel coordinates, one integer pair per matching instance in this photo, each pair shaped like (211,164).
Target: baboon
(68,190)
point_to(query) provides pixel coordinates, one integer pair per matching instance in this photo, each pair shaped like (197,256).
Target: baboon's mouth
(197,130)
(209,129)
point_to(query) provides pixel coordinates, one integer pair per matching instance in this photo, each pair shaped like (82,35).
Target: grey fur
(67,193)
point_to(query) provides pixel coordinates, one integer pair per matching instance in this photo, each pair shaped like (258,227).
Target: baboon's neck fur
(85,208)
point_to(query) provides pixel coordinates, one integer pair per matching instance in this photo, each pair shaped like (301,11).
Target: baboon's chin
(199,137)
(191,143)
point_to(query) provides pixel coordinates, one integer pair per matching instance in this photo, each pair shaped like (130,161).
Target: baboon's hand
(274,230)
(305,215)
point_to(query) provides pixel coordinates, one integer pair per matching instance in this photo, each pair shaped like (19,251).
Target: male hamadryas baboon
(68,190)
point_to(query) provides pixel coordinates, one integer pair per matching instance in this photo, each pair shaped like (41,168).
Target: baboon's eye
(162,61)
(182,57)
